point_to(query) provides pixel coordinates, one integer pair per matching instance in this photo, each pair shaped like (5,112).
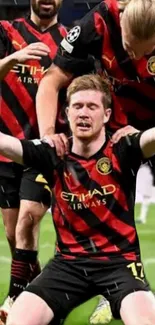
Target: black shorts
(65,284)
(18,182)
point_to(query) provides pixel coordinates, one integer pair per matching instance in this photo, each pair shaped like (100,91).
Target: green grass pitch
(80,315)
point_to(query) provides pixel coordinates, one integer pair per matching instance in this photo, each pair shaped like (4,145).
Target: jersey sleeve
(81,42)
(131,155)
(3,42)
(41,156)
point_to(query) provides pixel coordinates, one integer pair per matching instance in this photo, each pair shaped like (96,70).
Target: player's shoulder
(10,24)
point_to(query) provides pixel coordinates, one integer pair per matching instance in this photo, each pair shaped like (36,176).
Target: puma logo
(17,45)
(110,62)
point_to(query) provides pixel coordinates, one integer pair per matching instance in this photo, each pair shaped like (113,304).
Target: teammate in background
(27,49)
(93,191)
(144,187)
(121,35)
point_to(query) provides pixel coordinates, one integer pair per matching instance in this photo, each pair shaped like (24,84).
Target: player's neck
(87,149)
(43,24)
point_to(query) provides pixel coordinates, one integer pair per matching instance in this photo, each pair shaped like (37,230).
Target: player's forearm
(46,107)
(147,143)
(7,64)
(47,98)
(11,148)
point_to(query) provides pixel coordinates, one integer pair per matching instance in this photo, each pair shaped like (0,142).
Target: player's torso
(94,207)
(20,86)
(133,81)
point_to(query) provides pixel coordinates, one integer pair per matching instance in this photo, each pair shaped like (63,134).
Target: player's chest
(31,72)
(118,66)
(89,184)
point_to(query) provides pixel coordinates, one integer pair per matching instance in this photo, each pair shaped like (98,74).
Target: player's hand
(122,133)
(34,51)
(60,142)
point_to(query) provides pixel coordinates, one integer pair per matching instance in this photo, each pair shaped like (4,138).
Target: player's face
(45,9)
(136,48)
(87,115)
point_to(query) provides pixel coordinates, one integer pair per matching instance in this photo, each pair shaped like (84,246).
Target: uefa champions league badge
(73,34)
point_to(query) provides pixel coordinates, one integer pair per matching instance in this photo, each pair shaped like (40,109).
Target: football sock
(22,268)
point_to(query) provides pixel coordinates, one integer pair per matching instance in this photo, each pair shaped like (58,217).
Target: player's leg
(25,265)
(10,217)
(9,199)
(138,308)
(126,281)
(55,292)
(144,186)
(29,309)
(35,200)
(9,202)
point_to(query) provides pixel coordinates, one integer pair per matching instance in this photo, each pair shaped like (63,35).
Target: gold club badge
(103,166)
(151,65)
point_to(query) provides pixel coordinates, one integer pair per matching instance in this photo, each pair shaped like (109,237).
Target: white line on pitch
(5,259)
(149,261)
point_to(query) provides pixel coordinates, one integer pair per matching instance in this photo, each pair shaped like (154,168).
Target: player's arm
(34,51)
(32,153)
(136,148)
(11,147)
(147,143)
(47,98)
(71,60)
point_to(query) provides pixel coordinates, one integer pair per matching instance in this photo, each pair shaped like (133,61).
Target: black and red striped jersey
(19,87)
(132,81)
(93,199)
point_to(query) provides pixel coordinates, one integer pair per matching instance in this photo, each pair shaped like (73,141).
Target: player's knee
(138,308)
(31,212)
(30,215)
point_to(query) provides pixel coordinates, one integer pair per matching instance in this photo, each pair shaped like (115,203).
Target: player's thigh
(35,194)
(61,286)
(10,179)
(117,279)
(128,277)
(29,309)
(138,308)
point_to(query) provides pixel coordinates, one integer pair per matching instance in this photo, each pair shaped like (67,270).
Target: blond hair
(91,82)
(140,17)
(123,3)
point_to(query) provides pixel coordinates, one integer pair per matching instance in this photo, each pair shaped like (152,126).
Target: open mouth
(84,125)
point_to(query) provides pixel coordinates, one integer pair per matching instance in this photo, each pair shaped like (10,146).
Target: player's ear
(67,110)
(107,114)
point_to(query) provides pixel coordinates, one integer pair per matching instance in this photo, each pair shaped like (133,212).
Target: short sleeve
(82,41)
(129,152)
(41,156)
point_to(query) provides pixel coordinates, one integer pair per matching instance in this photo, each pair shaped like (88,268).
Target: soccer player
(144,190)
(27,48)
(120,34)
(93,209)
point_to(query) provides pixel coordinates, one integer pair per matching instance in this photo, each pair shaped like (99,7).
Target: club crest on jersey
(151,65)
(73,34)
(103,166)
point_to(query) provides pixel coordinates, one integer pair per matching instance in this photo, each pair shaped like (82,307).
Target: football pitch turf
(81,314)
